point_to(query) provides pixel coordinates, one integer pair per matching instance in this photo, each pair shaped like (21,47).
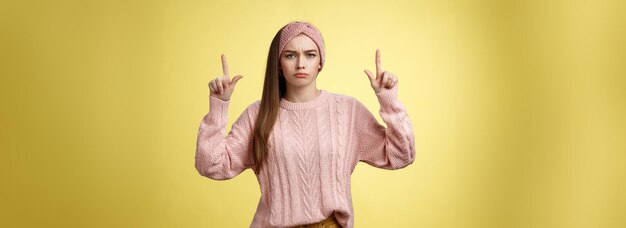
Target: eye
(289,56)
(311,55)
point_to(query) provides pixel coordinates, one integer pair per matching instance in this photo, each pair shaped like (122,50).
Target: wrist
(219,98)
(387,95)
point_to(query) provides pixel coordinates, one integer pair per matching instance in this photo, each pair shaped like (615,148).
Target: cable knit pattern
(307,151)
(340,142)
(315,146)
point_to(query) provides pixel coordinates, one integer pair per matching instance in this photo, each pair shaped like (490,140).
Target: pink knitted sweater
(315,147)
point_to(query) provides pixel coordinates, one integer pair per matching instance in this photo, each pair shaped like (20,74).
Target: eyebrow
(312,50)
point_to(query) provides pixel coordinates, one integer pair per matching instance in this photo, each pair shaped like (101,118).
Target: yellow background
(519,109)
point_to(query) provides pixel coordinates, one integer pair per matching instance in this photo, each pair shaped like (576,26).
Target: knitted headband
(296,28)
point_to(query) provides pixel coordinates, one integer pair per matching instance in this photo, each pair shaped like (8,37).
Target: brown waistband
(331,220)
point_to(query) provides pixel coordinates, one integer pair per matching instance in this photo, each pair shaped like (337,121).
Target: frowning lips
(301,75)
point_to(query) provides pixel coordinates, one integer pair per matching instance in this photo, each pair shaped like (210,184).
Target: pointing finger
(224,65)
(379,68)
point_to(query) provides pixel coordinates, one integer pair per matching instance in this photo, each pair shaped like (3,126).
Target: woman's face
(300,61)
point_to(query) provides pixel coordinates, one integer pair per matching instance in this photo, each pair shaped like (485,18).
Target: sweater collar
(304,105)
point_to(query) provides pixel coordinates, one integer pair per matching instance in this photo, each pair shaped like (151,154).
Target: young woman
(302,142)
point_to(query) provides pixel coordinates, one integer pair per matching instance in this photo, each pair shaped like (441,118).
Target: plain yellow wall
(519,109)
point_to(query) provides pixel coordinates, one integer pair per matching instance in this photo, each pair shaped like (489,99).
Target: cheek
(317,61)
(284,64)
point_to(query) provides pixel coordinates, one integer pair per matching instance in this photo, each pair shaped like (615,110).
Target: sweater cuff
(387,97)
(218,108)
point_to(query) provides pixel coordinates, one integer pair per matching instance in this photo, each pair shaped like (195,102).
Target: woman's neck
(298,95)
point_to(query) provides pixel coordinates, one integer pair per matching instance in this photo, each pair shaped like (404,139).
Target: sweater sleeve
(222,157)
(387,148)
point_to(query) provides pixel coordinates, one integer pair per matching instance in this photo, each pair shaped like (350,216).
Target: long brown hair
(274,88)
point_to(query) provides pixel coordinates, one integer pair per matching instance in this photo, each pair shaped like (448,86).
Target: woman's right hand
(222,87)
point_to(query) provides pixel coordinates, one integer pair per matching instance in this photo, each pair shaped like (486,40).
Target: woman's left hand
(384,80)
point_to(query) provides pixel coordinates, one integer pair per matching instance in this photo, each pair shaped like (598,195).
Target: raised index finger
(224,65)
(379,68)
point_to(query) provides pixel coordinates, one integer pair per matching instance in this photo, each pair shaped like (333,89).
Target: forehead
(301,41)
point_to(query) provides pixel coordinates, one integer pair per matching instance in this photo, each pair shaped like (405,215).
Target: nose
(300,64)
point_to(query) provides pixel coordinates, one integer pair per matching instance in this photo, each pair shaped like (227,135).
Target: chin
(297,82)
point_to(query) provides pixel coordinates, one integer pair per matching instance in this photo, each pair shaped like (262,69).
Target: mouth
(301,75)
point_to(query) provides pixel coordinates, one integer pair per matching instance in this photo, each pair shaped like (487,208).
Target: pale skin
(222,87)
(300,55)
